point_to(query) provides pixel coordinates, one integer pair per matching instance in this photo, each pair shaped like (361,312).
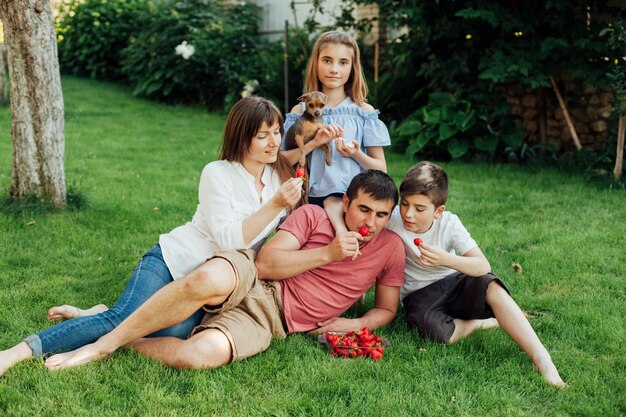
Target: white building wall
(275,12)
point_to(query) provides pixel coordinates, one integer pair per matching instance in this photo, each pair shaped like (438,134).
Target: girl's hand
(289,193)
(433,255)
(347,149)
(327,133)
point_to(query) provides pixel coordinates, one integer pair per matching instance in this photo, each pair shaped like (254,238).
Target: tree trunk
(3,84)
(621,131)
(36,101)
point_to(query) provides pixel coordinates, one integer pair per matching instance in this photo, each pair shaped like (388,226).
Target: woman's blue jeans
(148,277)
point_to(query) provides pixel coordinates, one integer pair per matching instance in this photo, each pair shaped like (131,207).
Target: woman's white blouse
(227,196)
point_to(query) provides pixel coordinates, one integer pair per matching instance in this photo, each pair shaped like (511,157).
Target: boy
(449,291)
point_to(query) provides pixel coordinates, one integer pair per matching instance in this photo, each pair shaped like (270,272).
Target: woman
(242,198)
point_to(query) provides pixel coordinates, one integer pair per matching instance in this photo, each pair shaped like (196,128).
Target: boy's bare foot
(66,312)
(487,323)
(464,328)
(11,356)
(546,368)
(82,356)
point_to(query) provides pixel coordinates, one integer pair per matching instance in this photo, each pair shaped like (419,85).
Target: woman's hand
(347,149)
(289,193)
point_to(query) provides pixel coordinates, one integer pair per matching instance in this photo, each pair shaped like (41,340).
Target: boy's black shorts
(432,309)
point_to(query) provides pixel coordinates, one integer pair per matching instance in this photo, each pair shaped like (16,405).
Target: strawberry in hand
(300,172)
(417,241)
(364,231)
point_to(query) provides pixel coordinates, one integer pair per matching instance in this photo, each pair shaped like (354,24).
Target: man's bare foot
(11,356)
(66,312)
(546,368)
(81,356)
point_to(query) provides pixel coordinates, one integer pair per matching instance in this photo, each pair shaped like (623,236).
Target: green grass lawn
(138,164)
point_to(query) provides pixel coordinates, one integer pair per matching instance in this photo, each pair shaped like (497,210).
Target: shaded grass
(138,163)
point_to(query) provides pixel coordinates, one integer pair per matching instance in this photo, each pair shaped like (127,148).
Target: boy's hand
(347,149)
(327,133)
(433,255)
(344,245)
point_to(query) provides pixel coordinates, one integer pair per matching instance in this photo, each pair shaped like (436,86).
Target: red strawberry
(364,231)
(376,355)
(417,241)
(300,172)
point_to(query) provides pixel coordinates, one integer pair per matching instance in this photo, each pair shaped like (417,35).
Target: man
(309,278)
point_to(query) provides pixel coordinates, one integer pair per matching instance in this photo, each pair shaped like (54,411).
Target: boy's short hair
(427,179)
(375,183)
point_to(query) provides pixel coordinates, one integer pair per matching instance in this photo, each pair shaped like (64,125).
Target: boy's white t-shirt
(447,232)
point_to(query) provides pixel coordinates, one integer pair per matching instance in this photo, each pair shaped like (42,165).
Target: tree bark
(621,131)
(36,101)
(3,84)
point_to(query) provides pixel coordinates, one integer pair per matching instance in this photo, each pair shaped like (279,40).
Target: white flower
(185,49)
(248,88)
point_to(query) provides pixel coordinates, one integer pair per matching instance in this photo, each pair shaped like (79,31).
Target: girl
(250,164)
(334,68)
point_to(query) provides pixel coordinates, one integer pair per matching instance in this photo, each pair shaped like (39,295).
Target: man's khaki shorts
(252,314)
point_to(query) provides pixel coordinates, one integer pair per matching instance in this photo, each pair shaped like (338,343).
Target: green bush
(473,49)
(92,35)
(225,57)
(220,53)
(452,124)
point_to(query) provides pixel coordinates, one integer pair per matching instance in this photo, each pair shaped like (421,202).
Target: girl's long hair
(243,123)
(356,87)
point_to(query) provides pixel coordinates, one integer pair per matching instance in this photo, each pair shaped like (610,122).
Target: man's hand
(345,245)
(433,255)
(338,325)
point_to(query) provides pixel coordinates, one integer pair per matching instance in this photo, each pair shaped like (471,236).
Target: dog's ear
(303,97)
(324,97)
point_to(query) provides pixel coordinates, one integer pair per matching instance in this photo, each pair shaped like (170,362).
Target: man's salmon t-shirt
(329,290)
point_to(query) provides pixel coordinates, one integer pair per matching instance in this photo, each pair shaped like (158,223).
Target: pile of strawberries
(355,344)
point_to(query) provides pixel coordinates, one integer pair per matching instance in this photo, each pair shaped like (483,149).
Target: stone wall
(543,120)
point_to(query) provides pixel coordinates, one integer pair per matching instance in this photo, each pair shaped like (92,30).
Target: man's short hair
(426,178)
(375,183)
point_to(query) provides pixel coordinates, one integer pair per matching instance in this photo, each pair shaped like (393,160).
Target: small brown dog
(303,130)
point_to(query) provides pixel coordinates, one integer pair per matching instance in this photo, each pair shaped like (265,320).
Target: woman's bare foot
(81,356)
(548,370)
(16,354)
(66,312)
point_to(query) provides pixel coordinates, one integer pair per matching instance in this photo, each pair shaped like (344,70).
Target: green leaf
(487,143)
(447,114)
(412,149)
(464,121)
(441,99)
(432,117)
(446,131)
(422,139)
(485,15)
(513,139)
(457,148)
(409,127)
